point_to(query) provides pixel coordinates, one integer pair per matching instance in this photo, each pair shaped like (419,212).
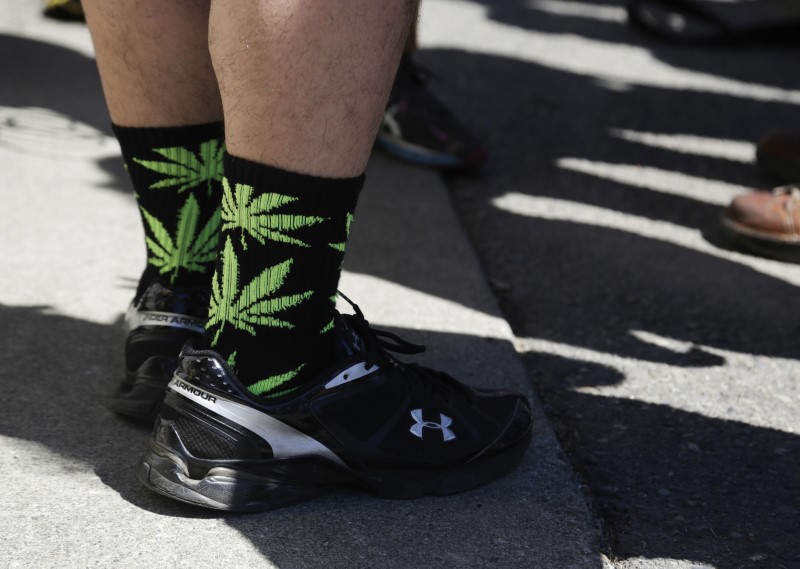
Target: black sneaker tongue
(348,340)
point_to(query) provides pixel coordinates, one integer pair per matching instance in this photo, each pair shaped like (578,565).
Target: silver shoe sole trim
(285,441)
(136,318)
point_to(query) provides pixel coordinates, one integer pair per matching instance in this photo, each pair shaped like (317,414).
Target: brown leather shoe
(779,156)
(767,223)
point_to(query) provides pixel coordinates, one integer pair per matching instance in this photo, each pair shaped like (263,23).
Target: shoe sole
(281,483)
(761,244)
(140,402)
(141,393)
(426,157)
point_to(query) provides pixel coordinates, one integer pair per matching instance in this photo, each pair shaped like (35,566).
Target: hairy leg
(304,83)
(154,61)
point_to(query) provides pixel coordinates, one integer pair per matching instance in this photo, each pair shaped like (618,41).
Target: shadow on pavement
(604,21)
(59,372)
(601,284)
(675,484)
(668,483)
(561,281)
(52,77)
(60,89)
(566,280)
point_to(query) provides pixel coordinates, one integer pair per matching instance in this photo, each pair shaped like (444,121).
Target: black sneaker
(370,422)
(159,323)
(418,128)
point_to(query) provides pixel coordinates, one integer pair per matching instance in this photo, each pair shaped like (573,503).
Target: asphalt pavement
(666,360)
(582,267)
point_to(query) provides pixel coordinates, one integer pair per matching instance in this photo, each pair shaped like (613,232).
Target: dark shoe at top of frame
(370,422)
(159,323)
(779,156)
(418,128)
(767,223)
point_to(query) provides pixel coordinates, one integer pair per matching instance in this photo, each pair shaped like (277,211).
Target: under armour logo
(420,423)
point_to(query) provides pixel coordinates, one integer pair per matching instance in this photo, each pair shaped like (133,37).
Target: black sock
(176,174)
(274,287)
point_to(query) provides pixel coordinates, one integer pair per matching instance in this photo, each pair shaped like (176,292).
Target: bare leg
(304,83)
(154,61)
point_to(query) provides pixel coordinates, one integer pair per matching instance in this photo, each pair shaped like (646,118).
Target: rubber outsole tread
(228,489)
(426,157)
(762,245)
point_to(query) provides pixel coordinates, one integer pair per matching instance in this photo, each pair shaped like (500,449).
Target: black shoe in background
(418,128)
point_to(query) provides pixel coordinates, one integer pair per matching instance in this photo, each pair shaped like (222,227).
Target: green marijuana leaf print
(329,326)
(231,361)
(240,210)
(185,251)
(274,381)
(252,305)
(348,222)
(185,170)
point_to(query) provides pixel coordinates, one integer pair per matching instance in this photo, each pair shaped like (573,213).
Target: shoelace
(381,342)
